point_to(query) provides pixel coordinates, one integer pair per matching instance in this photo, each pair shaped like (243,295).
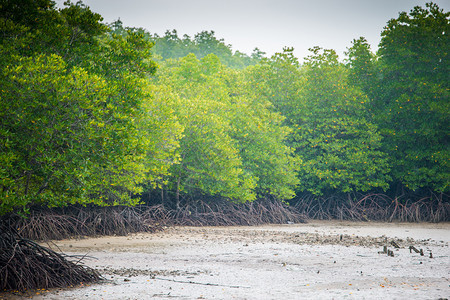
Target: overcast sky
(267,24)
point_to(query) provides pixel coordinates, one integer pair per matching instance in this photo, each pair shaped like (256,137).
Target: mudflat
(316,260)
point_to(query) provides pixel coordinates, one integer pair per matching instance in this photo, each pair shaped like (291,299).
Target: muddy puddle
(317,260)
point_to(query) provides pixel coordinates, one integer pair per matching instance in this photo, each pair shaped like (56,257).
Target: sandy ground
(317,260)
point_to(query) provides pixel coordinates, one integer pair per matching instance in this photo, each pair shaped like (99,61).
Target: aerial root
(26,265)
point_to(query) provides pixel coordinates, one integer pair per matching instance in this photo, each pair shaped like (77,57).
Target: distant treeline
(171,46)
(109,115)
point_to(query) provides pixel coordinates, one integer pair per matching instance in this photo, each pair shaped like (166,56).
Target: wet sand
(317,260)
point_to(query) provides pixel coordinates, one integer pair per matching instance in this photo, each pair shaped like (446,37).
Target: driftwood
(393,243)
(416,250)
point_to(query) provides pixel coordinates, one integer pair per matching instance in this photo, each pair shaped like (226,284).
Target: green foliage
(233,144)
(332,135)
(171,46)
(34,27)
(54,132)
(411,100)
(209,159)
(277,80)
(84,119)
(362,65)
(120,55)
(261,136)
(79,130)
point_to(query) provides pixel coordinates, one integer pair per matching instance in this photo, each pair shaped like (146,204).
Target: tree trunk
(162,194)
(27,185)
(178,193)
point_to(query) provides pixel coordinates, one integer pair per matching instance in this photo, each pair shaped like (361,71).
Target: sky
(269,25)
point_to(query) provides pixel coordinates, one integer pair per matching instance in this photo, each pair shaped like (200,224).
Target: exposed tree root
(376,207)
(228,214)
(26,265)
(47,224)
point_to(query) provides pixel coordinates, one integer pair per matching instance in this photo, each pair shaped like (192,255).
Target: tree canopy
(412,97)
(95,113)
(73,114)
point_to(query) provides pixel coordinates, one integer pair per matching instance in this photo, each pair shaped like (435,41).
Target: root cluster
(26,265)
(228,214)
(55,224)
(376,207)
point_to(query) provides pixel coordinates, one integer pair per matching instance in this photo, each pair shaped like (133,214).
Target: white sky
(267,24)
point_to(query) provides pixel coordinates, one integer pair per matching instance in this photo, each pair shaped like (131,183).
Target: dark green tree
(78,128)
(337,145)
(412,97)
(30,27)
(333,135)
(362,64)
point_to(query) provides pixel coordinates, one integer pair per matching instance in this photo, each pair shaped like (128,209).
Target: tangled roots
(26,265)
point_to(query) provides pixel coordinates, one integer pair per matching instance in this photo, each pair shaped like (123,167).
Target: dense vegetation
(95,114)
